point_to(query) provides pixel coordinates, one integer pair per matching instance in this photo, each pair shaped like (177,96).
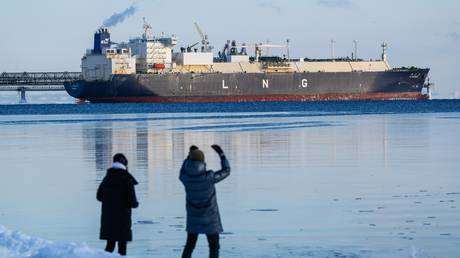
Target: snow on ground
(15,244)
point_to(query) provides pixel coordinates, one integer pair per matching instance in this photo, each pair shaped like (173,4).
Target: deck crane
(204,39)
(258,47)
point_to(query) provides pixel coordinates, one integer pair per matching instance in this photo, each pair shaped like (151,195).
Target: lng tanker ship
(146,69)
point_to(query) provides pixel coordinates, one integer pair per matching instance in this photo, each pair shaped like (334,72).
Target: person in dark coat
(201,203)
(118,197)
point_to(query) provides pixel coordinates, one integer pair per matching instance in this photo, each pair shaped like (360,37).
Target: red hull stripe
(256,98)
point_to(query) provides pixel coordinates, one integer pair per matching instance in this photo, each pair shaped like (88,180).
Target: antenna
(287,49)
(332,50)
(355,43)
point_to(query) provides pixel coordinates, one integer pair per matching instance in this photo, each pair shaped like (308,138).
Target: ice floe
(14,244)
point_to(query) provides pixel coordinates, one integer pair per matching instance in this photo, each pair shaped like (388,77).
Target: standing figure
(118,197)
(201,203)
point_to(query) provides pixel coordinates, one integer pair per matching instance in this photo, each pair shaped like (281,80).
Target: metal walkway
(47,81)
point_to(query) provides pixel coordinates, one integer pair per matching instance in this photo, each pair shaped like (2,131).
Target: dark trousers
(213,242)
(121,247)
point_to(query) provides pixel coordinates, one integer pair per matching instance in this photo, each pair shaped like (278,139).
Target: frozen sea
(326,179)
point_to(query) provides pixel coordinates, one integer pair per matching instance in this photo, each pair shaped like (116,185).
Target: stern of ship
(74,88)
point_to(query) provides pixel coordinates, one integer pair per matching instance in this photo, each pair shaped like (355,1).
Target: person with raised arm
(201,203)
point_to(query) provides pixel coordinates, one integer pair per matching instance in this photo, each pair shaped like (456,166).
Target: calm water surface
(362,179)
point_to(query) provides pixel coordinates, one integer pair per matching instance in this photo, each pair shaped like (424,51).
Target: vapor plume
(119,17)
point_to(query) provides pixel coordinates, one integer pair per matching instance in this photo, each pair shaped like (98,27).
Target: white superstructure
(101,66)
(140,55)
(152,54)
(193,58)
(148,54)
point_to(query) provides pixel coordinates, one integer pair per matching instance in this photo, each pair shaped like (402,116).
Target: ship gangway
(36,81)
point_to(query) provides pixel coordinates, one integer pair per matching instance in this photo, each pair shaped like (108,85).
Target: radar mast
(147,30)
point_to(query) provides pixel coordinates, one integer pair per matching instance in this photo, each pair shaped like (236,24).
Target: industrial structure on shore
(36,81)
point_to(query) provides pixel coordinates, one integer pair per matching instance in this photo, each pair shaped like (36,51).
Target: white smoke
(119,17)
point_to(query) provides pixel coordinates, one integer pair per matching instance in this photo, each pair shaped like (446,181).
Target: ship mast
(355,43)
(384,51)
(147,30)
(332,50)
(287,49)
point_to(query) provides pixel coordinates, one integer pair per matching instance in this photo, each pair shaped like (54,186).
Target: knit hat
(193,147)
(119,157)
(197,155)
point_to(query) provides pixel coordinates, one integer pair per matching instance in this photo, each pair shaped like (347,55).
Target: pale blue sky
(52,35)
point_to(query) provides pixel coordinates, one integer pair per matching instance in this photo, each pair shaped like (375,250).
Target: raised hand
(218,149)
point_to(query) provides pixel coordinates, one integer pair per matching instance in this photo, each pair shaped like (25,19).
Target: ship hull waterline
(270,98)
(242,87)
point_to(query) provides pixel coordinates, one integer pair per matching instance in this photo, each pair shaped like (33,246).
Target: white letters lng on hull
(264,83)
(223,85)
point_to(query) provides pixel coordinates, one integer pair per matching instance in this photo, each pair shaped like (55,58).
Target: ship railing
(412,68)
(274,65)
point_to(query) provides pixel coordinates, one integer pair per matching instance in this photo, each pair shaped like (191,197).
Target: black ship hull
(239,87)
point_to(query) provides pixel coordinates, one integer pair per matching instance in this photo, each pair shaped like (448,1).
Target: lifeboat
(159,66)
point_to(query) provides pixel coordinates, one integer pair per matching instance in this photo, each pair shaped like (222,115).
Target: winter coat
(117,194)
(202,211)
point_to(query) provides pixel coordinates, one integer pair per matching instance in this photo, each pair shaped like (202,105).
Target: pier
(36,81)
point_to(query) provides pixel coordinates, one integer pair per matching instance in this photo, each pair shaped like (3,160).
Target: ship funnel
(101,40)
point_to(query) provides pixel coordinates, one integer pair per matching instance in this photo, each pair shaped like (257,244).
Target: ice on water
(304,183)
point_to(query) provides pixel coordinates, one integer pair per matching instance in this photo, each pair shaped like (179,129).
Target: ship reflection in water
(249,143)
